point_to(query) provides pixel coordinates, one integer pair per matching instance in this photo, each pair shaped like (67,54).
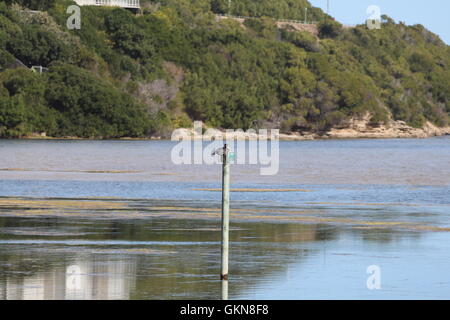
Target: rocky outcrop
(311,28)
(361,128)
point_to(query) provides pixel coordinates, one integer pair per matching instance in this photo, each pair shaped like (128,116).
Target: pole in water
(224,292)
(225,212)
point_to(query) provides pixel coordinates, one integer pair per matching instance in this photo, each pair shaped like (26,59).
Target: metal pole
(224,293)
(225,212)
(306,15)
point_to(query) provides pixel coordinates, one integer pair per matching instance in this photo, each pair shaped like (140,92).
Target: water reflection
(159,259)
(110,280)
(173,259)
(86,280)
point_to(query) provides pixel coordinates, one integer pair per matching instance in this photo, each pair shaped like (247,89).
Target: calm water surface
(118,220)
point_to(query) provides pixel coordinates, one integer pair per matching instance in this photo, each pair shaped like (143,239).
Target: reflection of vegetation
(380,235)
(181,262)
(326,233)
(122,209)
(175,271)
(127,75)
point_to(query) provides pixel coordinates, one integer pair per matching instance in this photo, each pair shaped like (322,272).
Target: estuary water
(119,220)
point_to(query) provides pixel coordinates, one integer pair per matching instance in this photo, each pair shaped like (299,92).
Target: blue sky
(433,14)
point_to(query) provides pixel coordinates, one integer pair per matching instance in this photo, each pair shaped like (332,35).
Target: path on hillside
(297,25)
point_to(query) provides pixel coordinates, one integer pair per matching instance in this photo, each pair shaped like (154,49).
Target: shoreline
(282,137)
(355,130)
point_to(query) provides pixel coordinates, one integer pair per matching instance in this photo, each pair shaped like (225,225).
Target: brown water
(117,220)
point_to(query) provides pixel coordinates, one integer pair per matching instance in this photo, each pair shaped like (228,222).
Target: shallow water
(117,220)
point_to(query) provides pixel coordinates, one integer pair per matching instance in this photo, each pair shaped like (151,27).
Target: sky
(433,14)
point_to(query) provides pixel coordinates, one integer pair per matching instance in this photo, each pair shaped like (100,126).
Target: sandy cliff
(393,129)
(359,128)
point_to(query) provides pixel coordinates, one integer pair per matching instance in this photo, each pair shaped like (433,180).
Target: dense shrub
(329,29)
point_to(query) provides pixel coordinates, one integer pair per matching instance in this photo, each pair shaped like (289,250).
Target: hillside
(139,75)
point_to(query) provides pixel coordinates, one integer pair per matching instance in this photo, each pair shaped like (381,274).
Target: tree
(33,4)
(329,29)
(12,117)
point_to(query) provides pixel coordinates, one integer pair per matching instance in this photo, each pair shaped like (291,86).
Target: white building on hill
(112,3)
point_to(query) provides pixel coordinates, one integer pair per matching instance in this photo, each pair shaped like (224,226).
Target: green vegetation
(127,74)
(286,9)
